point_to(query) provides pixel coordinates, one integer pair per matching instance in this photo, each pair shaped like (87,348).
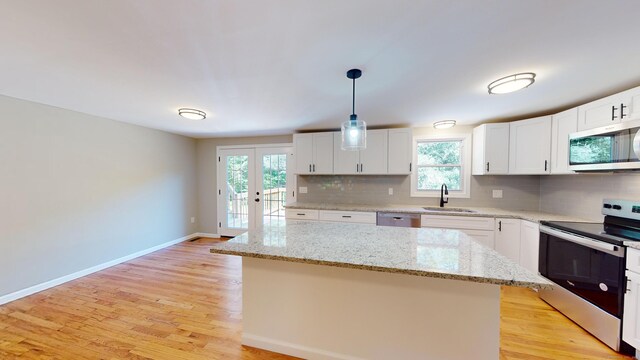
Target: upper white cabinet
(610,110)
(370,161)
(562,124)
(507,238)
(529,245)
(400,151)
(314,153)
(491,149)
(530,146)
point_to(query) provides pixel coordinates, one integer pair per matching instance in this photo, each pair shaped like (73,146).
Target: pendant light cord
(353,98)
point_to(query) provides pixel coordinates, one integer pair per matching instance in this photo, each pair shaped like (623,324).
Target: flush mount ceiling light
(511,83)
(354,131)
(192,114)
(444,124)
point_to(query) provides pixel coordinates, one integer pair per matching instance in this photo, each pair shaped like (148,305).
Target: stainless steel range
(587,263)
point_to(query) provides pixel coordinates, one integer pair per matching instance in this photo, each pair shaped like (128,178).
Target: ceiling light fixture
(192,114)
(444,124)
(511,83)
(354,131)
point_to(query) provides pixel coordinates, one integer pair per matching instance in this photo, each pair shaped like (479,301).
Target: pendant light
(354,131)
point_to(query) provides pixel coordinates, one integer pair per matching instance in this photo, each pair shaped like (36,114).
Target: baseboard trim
(208,235)
(287,348)
(78,274)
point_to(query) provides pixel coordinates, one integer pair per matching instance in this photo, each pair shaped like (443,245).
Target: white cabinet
(360,217)
(529,245)
(370,161)
(507,238)
(562,124)
(301,214)
(631,319)
(491,149)
(400,151)
(479,229)
(530,146)
(612,109)
(314,153)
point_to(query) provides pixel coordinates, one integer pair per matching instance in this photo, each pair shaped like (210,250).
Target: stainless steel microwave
(609,148)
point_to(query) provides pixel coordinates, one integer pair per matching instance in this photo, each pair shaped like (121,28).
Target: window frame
(465,168)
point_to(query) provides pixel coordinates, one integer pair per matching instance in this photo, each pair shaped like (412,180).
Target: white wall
(77,190)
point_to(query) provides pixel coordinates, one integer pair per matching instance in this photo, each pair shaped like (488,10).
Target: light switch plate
(497,194)
(390,191)
(302,190)
(193,220)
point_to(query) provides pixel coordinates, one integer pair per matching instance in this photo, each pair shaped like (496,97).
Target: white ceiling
(261,67)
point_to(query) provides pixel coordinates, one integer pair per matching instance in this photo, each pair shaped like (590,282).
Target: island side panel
(324,312)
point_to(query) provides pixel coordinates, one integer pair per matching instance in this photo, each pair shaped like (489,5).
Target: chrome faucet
(443,191)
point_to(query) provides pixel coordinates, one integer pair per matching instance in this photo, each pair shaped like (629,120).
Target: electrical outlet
(390,191)
(302,190)
(193,220)
(497,194)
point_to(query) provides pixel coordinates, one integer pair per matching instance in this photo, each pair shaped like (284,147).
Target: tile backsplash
(519,192)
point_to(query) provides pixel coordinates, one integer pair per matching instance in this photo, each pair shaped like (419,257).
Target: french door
(254,185)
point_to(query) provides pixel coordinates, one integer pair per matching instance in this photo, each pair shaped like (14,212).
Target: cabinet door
(530,146)
(345,162)
(491,149)
(633,101)
(631,320)
(323,153)
(507,238)
(562,124)
(373,159)
(400,151)
(303,144)
(529,245)
(481,236)
(602,112)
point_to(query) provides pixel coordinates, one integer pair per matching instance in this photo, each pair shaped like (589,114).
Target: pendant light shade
(354,131)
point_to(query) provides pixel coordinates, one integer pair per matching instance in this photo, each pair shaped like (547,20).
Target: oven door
(591,269)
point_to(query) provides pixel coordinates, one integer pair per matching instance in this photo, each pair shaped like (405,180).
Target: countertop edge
(431,274)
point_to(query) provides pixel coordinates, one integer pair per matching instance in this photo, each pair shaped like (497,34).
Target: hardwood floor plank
(185,303)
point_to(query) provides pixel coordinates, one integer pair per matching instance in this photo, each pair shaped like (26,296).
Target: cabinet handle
(301,214)
(545,165)
(309,167)
(357,168)
(628,286)
(409,167)
(499,225)
(622,114)
(613,113)
(487,166)
(360,167)
(346,216)
(314,167)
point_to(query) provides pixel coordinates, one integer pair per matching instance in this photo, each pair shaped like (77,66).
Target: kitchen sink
(442,209)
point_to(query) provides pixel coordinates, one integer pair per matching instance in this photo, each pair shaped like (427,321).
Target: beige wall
(581,195)
(207,174)
(78,190)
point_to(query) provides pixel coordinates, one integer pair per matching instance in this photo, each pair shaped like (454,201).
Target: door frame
(220,175)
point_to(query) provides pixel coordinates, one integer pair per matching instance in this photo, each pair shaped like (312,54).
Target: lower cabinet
(301,214)
(507,238)
(479,229)
(529,245)
(631,319)
(361,217)
(484,237)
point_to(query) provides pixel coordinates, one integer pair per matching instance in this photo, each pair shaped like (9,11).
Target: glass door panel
(275,184)
(237,202)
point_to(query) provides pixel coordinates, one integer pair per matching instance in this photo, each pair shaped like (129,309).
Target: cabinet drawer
(304,214)
(484,237)
(633,260)
(348,216)
(457,222)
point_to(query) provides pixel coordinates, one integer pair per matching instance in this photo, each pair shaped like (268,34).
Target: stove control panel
(621,208)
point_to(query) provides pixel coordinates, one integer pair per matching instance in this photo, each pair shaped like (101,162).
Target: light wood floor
(185,303)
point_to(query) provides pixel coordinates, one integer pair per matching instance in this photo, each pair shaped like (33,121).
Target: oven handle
(588,242)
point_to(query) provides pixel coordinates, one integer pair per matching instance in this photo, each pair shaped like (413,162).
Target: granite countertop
(438,253)
(534,216)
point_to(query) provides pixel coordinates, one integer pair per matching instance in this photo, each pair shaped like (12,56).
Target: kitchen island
(355,291)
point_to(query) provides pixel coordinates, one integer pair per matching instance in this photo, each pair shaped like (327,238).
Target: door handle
(622,114)
(613,113)
(257,200)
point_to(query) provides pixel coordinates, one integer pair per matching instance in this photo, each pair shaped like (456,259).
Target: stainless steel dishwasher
(397,219)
